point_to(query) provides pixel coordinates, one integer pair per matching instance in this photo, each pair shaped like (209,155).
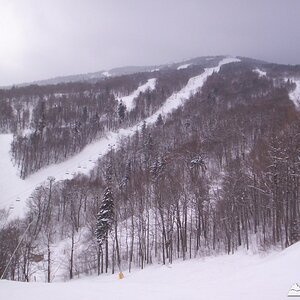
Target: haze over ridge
(45,39)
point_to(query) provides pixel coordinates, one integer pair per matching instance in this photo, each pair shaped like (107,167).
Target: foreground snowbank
(240,276)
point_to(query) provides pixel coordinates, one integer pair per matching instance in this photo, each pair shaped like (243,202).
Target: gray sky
(46,38)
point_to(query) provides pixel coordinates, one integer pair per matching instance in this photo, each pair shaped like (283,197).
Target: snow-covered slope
(193,85)
(129,100)
(260,72)
(229,277)
(106,74)
(13,188)
(183,66)
(295,94)
(11,185)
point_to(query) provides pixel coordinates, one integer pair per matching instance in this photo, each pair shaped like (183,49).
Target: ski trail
(260,72)
(295,94)
(183,66)
(129,100)
(193,86)
(13,188)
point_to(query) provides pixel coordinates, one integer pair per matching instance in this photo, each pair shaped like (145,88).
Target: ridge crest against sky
(49,38)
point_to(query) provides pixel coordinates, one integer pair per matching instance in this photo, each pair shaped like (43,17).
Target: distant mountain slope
(201,158)
(15,191)
(206,61)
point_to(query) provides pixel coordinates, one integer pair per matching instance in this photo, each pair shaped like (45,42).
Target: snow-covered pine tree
(159,120)
(295,231)
(105,217)
(121,111)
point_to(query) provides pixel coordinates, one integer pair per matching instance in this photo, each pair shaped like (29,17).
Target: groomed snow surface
(106,74)
(129,100)
(260,72)
(183,66)
(240,276)
(13,188)
(295,94)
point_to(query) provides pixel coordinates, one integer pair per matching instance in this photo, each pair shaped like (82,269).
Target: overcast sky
(45,38)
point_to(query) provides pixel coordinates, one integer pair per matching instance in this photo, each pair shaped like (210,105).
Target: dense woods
(219,173)
(51,126)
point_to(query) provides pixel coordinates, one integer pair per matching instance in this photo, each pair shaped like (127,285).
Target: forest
(51,126)
(219,173)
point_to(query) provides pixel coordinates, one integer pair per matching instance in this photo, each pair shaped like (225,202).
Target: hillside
(119,71)
(188,160)
(16,191)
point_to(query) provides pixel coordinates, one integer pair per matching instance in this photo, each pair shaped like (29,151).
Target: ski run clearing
(260,72)
(15,191)
(295,94)
(106,74)
(183,66)
(241,276)
(129,100)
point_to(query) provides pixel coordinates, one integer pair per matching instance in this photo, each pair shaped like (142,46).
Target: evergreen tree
(295,231)
(121,110)
(105,217)
(159,120)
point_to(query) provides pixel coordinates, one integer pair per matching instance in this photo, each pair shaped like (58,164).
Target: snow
(183,66)
(106,74)
(227,277)
(129,100)
(13,188)
(295,94)
(193,85)
(260,73)
(10,183)
(155,70)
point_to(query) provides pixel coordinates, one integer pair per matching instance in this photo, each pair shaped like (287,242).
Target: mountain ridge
(125,70)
